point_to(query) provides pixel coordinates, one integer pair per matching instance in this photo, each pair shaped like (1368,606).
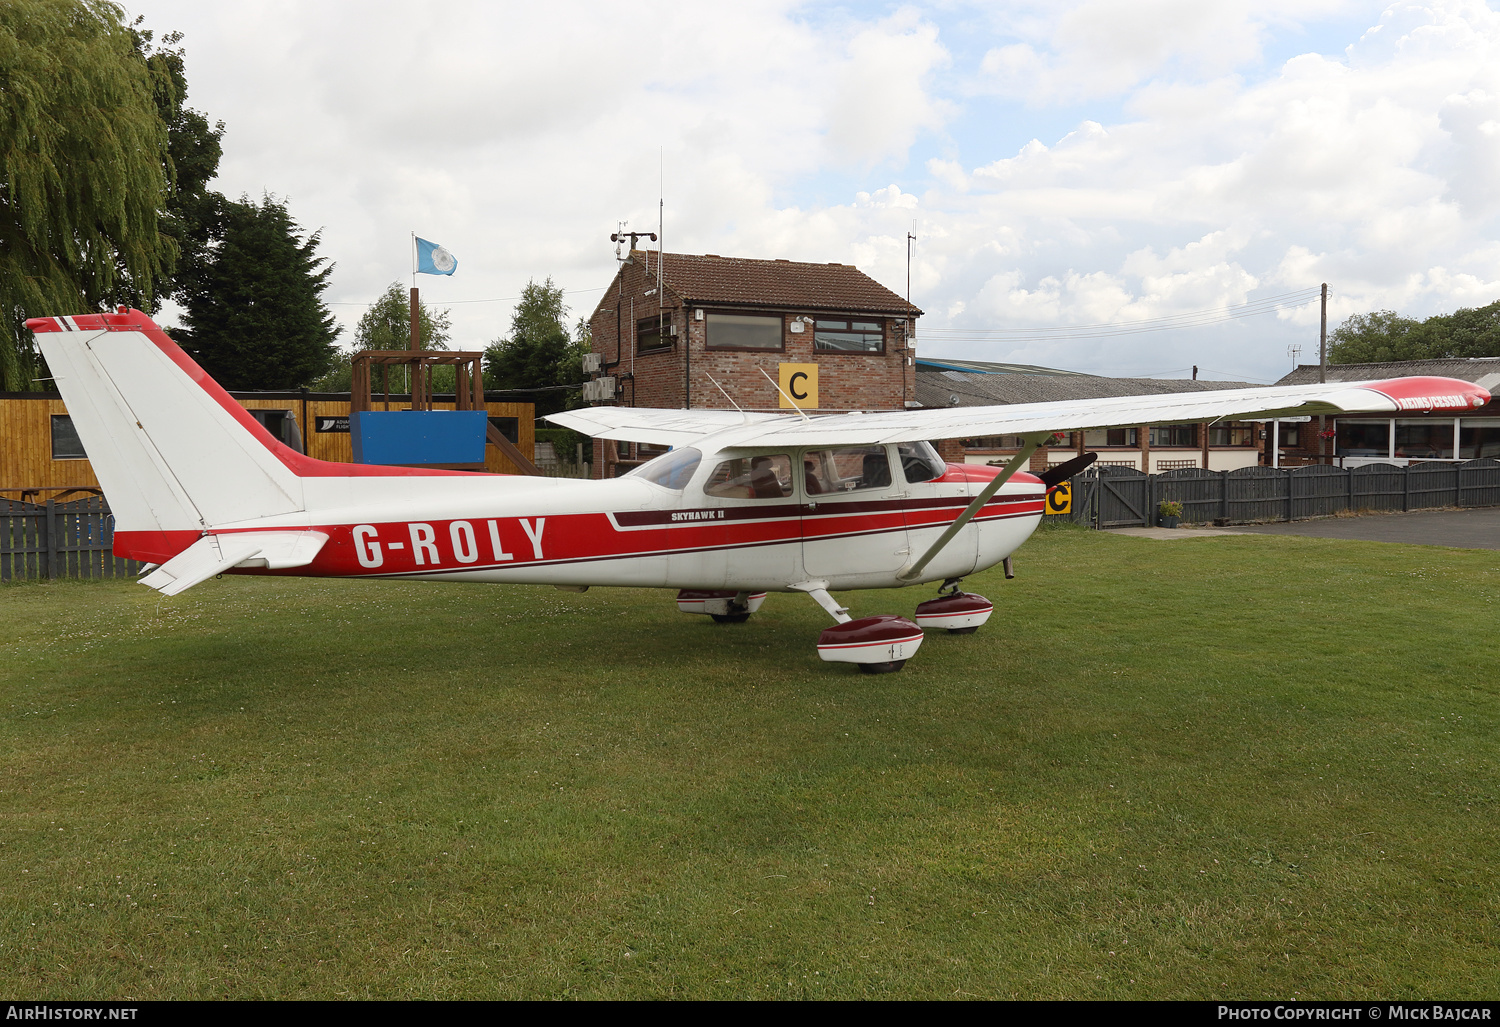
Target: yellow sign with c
(1060,499)
(800,382)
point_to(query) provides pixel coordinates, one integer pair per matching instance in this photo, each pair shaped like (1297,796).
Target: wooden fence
(52,540)
(1117,497)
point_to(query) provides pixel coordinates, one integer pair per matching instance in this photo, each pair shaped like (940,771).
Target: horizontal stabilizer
(199,562)
(281,550)
(215,554)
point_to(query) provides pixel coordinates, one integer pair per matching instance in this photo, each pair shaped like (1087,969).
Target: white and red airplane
(742,505)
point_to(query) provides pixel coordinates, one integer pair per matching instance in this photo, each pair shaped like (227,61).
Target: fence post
(1349,489)
(1224,496)
(1150,504)
(1406,488)
(1286,474)
(49,527)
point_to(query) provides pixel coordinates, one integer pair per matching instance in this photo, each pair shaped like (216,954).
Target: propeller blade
(1062,472)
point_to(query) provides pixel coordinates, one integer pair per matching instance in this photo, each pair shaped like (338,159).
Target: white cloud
(881,101)
(518,135)
(1103,47)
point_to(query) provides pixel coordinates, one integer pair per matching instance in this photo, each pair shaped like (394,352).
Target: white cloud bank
(1198,173)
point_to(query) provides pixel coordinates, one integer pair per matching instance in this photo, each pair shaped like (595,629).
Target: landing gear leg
(877,645)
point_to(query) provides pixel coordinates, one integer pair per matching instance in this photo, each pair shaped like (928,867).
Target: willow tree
(83,157)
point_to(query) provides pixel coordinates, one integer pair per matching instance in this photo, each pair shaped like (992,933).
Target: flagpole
(416,335)
(415,330)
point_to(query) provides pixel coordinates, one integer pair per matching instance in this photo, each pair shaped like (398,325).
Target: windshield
(670,470)
(920,461)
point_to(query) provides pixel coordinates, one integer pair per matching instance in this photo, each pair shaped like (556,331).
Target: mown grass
(1226,767)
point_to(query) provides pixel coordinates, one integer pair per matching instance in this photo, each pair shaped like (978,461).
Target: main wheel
(881,668)
(730,618)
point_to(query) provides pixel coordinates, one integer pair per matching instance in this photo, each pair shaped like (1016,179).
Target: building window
(1102,438)
(995,442)
(1425,439)
(282,424)
(65,442)
(509,428)
(1169,435)
(848,336)
(1362,438)
(654,333)
(1479,437)
(743,331)
(1235,433)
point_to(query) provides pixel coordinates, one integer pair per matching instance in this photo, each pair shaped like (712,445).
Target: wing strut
(1031,443)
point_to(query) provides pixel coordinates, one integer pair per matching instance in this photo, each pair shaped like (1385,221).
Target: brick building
(671,325)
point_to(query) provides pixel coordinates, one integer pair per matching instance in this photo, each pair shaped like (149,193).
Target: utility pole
(910,238)
(1323,340)
(1323,372)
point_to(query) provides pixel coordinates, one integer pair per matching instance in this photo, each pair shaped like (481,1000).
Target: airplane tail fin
(173,452)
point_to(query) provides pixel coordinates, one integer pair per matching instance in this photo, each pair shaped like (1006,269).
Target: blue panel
(418,436)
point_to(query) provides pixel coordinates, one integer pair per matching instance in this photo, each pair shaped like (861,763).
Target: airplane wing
(683,427)
(651,425)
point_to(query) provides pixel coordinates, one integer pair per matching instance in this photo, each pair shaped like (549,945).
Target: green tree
(255,317)
(1473,331)
(387,325)
(1384,335)
(83,158)
(539,354)
(192,213)
(1375,337)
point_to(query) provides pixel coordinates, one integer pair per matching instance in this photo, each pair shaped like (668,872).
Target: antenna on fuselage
(789,399)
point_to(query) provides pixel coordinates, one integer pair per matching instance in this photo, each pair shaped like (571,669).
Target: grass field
(1228,767)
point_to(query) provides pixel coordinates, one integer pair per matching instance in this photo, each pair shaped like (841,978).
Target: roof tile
(785,284)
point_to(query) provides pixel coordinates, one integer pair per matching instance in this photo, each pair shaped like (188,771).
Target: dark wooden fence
(1118,497)
(52,540)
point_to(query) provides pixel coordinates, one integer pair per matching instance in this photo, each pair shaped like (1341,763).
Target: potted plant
(1169,513)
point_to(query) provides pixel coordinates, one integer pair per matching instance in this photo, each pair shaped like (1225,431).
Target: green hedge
(565,441)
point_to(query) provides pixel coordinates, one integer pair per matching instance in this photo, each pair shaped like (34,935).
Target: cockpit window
(845,470)
(670,470)
(920,462)
(751,477)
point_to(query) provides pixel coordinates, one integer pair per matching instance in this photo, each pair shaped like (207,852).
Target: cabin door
(852,517)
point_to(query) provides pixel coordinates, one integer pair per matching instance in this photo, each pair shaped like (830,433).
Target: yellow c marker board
(800,381)
(1060,499)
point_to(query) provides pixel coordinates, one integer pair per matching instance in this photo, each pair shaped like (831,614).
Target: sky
(1131,164)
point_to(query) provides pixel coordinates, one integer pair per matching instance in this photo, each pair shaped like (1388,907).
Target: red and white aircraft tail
(176,455)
